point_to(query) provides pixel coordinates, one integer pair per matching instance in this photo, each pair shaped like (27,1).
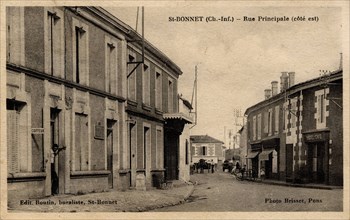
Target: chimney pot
(267,93)
(284,81)
(274,87)
(291,79)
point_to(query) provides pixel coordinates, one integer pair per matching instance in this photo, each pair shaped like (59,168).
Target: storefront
(317,155)
(268,158)
(253,158)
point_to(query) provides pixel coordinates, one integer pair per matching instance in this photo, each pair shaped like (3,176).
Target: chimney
(267,93)
(284,81)
(291,79)
(274,87)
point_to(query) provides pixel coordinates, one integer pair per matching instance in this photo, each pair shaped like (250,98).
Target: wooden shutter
(12,141)
(81,142)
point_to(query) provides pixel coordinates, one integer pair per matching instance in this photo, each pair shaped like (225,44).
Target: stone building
(68,83)
(297,134)
(207,148)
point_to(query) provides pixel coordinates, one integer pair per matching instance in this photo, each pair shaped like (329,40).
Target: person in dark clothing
(54,178)
(238,167)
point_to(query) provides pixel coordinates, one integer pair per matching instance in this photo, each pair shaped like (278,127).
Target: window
(293,114)
(170,96)
(158,89)
(259,126)
(131,77)
(270,122)
(254,128)
(54,42)
(80,53)
(15,35)
(159,150)
(321,108)
(266,122)
(146,144)
(186,153)
(18,152)
(203,150)
(81,142)
(277,112)
(111,65)
(146,84)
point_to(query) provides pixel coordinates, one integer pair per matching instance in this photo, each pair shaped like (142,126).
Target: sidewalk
(306,185)
(113,201)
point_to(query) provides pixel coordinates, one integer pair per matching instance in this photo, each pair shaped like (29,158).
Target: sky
(238,60)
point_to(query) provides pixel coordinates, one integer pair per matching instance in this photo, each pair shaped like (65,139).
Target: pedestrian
(238,166)
(212,166)
(262,173)
(54,177)
(243,170)
(209,166)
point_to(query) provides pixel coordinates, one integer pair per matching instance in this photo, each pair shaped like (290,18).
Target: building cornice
(336,75)
(67,83)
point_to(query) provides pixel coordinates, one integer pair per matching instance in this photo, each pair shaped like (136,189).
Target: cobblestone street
(222,192)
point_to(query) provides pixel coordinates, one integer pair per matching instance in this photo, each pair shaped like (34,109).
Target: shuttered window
(12,141)
(159,150)
(81,142)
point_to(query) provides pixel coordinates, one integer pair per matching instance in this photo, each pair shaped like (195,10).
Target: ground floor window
(81,142)
(17,133)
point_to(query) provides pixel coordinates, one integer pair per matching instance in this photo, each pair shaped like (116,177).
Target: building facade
(68,83)
(207,148)
(297,134)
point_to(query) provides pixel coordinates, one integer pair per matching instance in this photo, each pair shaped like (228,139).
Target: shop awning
(178,116)
(264,155)
(252,155)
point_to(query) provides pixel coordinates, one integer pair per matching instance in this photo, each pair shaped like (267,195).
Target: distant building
(297,134)
(207,148)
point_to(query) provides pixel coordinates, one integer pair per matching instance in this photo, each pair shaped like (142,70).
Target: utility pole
(194,95)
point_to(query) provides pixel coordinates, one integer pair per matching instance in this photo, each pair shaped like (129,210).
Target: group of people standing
(199,167)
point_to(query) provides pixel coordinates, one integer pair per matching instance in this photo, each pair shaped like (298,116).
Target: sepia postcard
(174,109)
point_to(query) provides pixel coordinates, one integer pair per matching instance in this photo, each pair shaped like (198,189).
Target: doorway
(132,152)
(110,144)
(58,160)
(171,155)
(316,155)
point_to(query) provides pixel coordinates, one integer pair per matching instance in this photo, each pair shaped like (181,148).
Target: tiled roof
(204,139)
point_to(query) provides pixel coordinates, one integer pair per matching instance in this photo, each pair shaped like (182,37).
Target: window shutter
(12,141)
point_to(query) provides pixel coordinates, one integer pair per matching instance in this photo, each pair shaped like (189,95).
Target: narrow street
(222,192)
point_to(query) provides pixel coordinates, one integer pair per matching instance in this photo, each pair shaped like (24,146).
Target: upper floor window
(170,95)
(15,35)
(131,77)
(293,112)
(254,128)
(80,52)
(146,83)
(110,65)
(259,126)
(321,108)
(203,150)
(270,122)
(158,89)
(54,42)
(277,112)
